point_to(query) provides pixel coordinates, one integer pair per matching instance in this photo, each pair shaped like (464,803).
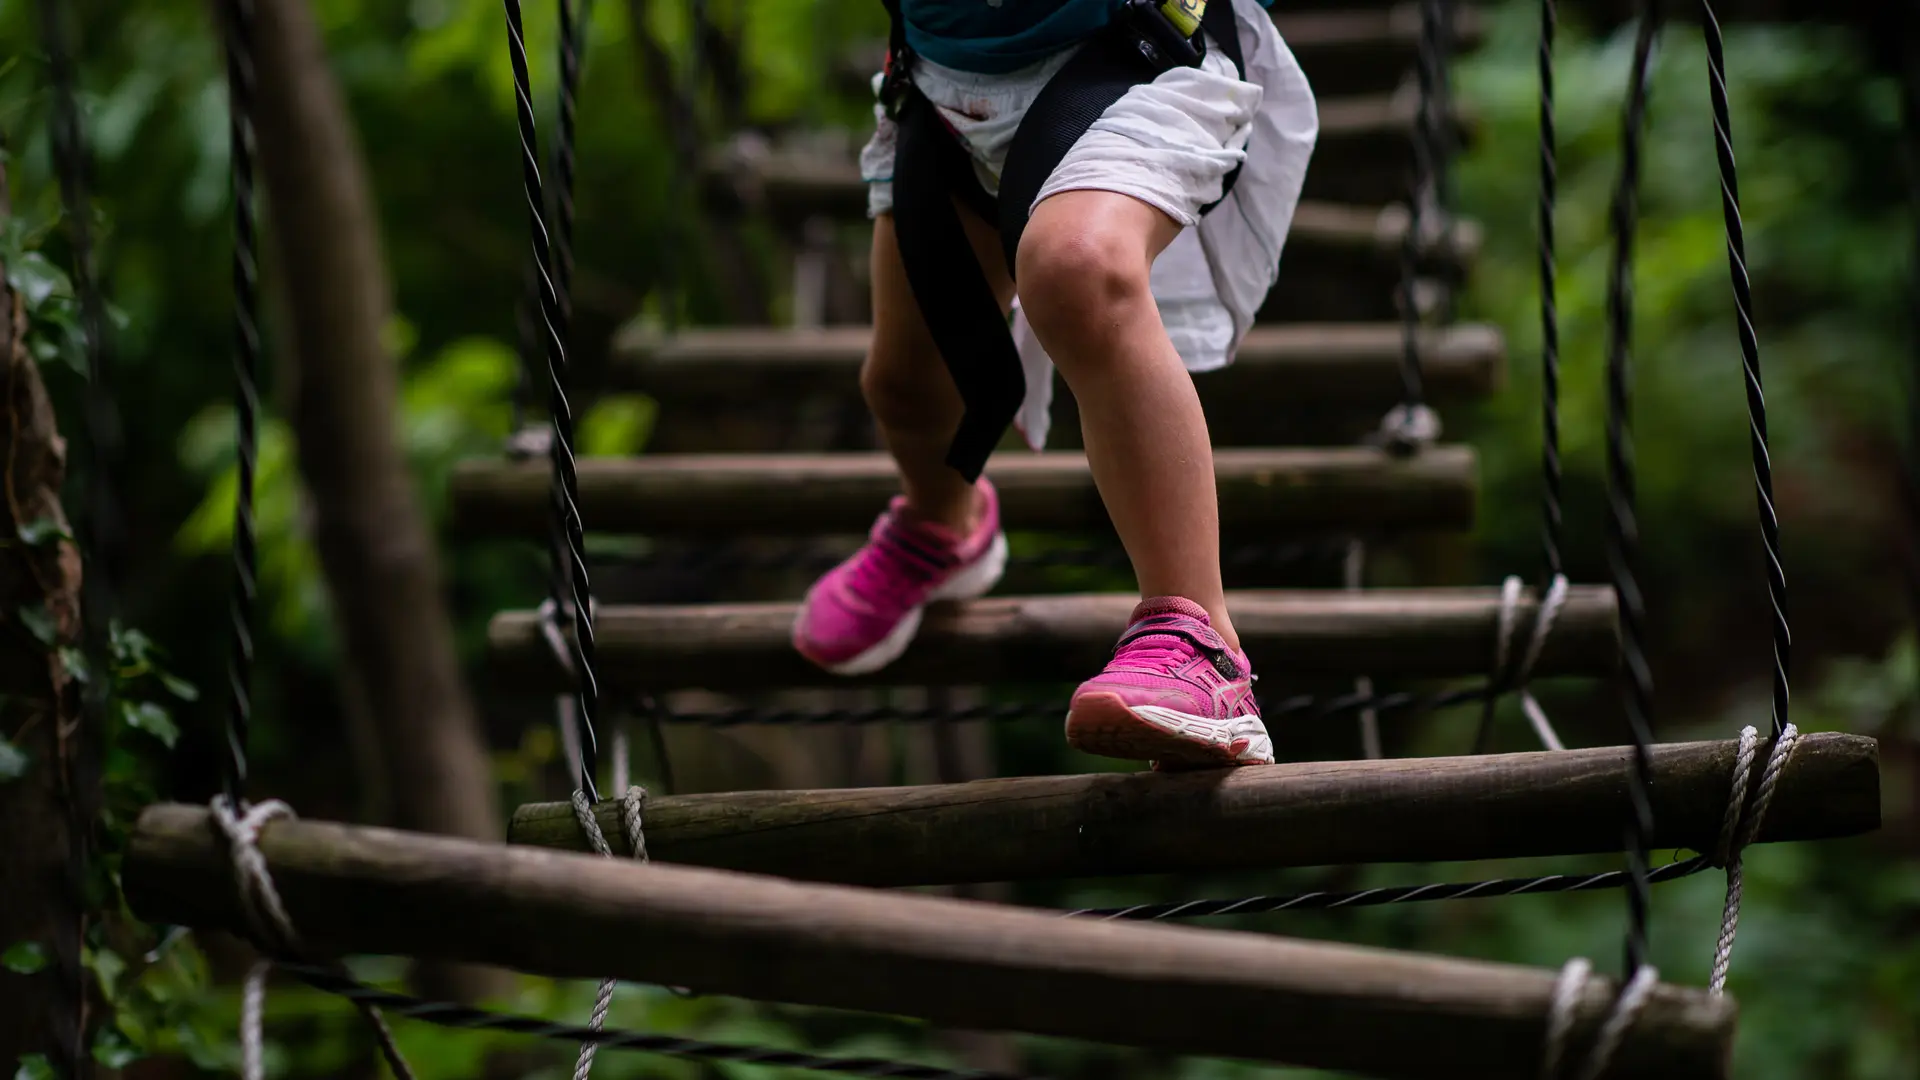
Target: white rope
(1567,992)
(1738,828)
(631,800)
(1410,427)
(1734,839)
(272,930)
(1511,592)
(1354,567)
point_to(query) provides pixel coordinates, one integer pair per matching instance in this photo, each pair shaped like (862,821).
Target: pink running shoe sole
(970,582)
(1104,724)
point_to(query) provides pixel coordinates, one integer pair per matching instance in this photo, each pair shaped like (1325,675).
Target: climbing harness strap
(931,169)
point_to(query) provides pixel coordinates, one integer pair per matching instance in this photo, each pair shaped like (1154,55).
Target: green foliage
(24,957)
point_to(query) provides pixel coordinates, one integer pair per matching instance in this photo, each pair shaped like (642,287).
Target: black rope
(1300,705)
(1750,355)
(1430,75)
(104,544)
(1549,309)
(1398,894)
(238,24)
(725,559)
(572,34)
(1550,508)
(450,1015)
(566,488)
(1624,527)
(1909,28)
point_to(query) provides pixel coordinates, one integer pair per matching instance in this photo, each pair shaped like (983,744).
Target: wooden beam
(802,494)
(794,186)
(1323,813)
(1325,364)
(955,963)
(1053,639)
(1342,51)
(1363,157)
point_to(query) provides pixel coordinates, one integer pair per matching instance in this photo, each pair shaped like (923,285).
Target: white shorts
(1169,143)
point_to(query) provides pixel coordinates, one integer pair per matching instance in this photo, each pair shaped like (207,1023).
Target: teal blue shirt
(993,37)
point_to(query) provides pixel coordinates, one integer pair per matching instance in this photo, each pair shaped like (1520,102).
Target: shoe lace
(881,567)
(1161,651)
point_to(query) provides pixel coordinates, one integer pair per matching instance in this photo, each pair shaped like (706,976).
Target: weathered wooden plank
(1334,813)
(1052,639)
(1326,364)
(1344,51)
(1325,236)
(800,494)
(1363,157)
(956,963)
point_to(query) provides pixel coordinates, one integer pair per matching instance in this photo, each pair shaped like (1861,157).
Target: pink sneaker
(863,614)
(1173,694)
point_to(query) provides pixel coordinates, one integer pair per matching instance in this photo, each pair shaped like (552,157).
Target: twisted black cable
(1299,705)
(1623,534)
(1750,355)
(450,1015)
(572,35)
(1412,383)
(566,488)
(1910,126)
(1397,894)
(1552,524)
(238,24)
(104,543)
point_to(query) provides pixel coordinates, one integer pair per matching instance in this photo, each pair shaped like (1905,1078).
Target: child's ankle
(961,513)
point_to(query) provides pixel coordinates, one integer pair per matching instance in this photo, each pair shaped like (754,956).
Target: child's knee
(1076,274)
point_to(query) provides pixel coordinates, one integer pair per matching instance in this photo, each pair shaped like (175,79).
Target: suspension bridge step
(1322,364)
(1293,491)
(1326,237)
(1333,813)
(1346,51)
(1363,156)
(955,963)
(1052,639)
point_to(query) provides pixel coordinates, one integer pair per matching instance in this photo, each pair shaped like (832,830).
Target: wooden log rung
(955,963)
(1333,813)
(1342,51)
(1413,633)
(1321,364)
(1261,492)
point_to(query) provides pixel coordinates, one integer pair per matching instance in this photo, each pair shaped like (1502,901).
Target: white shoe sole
(969,583)
(1103,724)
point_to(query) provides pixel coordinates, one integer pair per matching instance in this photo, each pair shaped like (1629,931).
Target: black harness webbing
(932,170)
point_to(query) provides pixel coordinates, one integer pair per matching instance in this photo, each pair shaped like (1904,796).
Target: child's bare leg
(906,384)
(1083,276)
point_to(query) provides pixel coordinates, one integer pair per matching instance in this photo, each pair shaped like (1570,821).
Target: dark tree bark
(40,717)
(375,546)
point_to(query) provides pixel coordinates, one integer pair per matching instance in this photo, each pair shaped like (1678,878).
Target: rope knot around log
(272,930)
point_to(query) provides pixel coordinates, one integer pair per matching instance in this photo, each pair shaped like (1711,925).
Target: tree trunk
(375,546)
(40,898)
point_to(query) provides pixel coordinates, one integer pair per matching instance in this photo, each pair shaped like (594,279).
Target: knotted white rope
(1409,427)
(1567,992)
(631,801)
(1739,830)
(1511,592)
(272,930)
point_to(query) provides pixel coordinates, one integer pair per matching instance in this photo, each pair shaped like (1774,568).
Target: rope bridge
(821,934)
